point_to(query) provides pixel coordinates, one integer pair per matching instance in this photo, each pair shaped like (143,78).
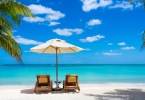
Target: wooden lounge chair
(43,83)
(71,83)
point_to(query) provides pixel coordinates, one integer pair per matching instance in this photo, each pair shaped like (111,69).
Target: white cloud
(67,32)
(39,9)
(87,49)
(36,19)
(121,43)
(138,5)
(14,31)
(94,22)
(50,14)
(104,3)
(123,5)
(128,48)
(89,5)
(93,38)
(94,4)
(113,50)
(110,43)
(55,16)
(26,51)
(38,0)
(111,53)
(25,41)
(42,23)
(53,23)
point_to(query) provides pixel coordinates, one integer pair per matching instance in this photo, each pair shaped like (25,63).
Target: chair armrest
(77,84)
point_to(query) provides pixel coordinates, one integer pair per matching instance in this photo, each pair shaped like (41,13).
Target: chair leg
(78,89)
(51,85)
(34,90)
(63,84)
(64,90)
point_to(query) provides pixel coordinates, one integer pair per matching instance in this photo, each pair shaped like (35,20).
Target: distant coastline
(63,64)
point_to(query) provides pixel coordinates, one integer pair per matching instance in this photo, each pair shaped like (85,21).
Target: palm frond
(143,2)
(10,45)
(143,39)
(15,11)
(11,11)
(5,25)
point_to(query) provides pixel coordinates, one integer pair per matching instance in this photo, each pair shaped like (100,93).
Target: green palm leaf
(11,12)
(6,25)
(143,39)
(143,2)
(15,11)
(10,45)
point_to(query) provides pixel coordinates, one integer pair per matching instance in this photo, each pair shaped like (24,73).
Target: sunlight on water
(26,74)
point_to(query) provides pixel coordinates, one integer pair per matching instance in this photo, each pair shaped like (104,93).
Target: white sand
(110,91)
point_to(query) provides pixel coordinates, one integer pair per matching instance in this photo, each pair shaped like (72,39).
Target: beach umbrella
(56,46)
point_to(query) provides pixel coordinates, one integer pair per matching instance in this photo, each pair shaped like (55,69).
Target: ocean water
(90,74)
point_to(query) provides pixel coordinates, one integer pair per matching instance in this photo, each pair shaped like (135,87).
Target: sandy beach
(94,46)
(109,91)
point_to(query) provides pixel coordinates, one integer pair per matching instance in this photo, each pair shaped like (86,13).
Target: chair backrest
(43,79)
(71,79)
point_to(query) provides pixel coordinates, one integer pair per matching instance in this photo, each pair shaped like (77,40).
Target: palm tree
(11,14)
(143,2)
(143,34)
(143,39)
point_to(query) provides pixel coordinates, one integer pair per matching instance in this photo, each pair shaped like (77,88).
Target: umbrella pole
(56,68)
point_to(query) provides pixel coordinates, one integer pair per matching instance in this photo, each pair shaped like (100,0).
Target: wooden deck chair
(43,83)
(71,83)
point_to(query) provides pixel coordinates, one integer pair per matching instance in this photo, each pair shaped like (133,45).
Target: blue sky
(110,31)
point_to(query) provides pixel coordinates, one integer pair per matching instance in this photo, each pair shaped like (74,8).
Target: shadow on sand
(119,94)
(31,91)
(27,91)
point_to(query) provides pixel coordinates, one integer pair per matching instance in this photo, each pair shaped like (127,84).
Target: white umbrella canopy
(50,47)
(56,46)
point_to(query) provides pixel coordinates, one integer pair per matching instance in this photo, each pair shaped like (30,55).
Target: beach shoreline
(109,91)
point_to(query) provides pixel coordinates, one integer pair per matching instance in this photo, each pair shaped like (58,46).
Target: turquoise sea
(90,74)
